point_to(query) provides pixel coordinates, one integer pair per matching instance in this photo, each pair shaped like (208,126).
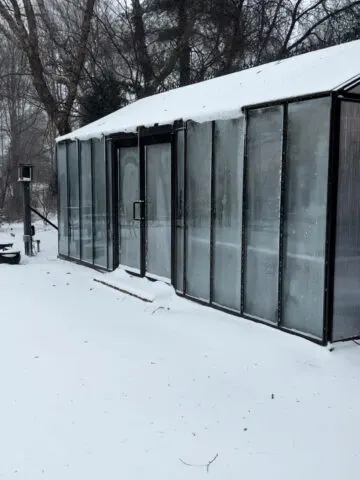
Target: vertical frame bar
(331,217)
(68,197)
(244,216)
(283,178)
(185,211)
(143,226)
(115,196)
(212,212)
(107,199)
(58,193)
(174,192)
(79,144)
(92,199)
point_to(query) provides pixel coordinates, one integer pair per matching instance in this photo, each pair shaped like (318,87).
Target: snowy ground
(96,385)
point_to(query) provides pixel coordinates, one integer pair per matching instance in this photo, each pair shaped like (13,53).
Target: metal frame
(338,99)
(285,101)
(212,212)
(281,217)
(68,197)
(331,217)
(174,193)
(120,141)
(146,137)
(211,303)
(115,198)
(80,260)
(92,200)
(185,212)
(80,200)
(283,178)
(243,221)
(167,134)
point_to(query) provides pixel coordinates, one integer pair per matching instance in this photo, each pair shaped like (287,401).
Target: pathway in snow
(99,385)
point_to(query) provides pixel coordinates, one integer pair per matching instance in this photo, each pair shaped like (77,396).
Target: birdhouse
(25,173)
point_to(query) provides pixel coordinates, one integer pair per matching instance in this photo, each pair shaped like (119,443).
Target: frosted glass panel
(63,199)
(86,203)
(158,210)
(180,212)
(198,210)
(129,192)
(262,212)
(74,213)
(305,215)
(346,322)
(229,140)
(100,233)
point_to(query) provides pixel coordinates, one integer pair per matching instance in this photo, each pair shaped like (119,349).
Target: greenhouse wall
(234,213)
(346,316)
(251,224)
(85,202)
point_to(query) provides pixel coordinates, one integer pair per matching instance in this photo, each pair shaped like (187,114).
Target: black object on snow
(7,255)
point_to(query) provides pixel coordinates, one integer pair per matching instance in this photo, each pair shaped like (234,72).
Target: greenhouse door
(129,213)
(144,210)
(158,211)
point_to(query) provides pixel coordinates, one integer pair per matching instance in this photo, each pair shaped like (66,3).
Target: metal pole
(27,220)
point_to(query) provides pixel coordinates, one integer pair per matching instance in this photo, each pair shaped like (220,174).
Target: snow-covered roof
(223,97)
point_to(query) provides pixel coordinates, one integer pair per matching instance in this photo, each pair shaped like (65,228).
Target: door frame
(144,138)
(148,274)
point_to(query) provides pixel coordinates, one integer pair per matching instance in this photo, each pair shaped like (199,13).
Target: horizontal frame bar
(285,101)
(236,314)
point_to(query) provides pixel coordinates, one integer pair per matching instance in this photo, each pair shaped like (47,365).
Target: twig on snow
(211,461)
(206,465)
(157,309)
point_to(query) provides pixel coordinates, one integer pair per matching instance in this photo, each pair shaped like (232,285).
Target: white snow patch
(96,384)
(224,97)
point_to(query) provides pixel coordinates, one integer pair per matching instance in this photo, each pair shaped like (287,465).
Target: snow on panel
(223,97)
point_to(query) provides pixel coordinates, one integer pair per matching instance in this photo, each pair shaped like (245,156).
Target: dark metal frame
(283,179)
(168,134)
(80,260)
(185,212)
(146,137)
(338,98)
(211,302)
(281,217)
(119,141)
(279,324)
(331,215)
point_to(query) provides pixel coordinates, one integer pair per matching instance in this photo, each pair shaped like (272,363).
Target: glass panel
(74,218)
(346,322)
(63,199)
(100,224)
(158,210)
(262,212)
(228,212)
(355,90)
(86,203)
(129,192)
(305,215)
(180,212)
(110,186)
(198,210)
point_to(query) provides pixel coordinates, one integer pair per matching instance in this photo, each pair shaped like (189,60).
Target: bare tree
(40,29)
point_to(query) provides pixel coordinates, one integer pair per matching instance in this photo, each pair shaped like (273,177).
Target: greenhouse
(241,191)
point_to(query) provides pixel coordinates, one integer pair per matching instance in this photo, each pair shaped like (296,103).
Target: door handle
(138,202)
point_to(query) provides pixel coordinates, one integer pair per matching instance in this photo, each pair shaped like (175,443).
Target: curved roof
(222,98)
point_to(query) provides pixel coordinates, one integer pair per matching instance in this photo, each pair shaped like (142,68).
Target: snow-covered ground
(96,384)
